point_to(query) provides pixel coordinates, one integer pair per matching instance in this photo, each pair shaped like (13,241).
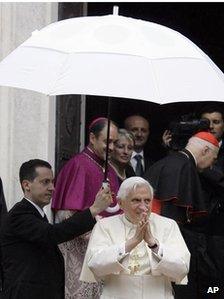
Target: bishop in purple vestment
(76,187)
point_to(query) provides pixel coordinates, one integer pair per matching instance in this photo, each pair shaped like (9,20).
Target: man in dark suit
(33,267)
(139,126)
(216,126)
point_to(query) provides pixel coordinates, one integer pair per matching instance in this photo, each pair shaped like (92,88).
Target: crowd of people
(157,225)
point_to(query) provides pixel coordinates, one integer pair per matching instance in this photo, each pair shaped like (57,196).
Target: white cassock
(140,274)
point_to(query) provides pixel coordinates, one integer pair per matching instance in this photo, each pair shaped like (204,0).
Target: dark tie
(139,168)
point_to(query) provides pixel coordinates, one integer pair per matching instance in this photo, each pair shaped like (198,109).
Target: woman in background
(121,155)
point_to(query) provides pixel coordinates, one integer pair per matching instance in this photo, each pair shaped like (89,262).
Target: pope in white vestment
(137,254)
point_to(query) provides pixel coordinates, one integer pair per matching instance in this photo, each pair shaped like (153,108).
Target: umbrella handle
(114,209)
(105,185)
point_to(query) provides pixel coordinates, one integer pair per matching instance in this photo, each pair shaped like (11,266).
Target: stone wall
(27,119)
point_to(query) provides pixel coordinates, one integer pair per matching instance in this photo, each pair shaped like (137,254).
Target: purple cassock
(79,181)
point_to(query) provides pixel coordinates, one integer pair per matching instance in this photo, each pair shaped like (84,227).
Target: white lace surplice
(73,252)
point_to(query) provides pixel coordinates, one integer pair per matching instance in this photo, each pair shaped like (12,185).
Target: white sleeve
(174,259)
(103,257)
(159,254)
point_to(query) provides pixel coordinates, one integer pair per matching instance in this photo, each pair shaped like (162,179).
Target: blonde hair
(127,134)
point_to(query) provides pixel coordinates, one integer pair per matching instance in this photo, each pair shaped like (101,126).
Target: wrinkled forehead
(139,191)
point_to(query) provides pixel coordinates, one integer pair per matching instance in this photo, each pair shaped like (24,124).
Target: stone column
(27,119)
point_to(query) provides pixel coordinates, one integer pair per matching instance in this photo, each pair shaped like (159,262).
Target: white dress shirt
(37,207)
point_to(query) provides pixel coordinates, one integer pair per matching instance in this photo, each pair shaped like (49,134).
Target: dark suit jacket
(220,160)
(33,267)
(148,163)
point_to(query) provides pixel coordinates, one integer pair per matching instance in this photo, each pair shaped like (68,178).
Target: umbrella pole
(105,181)
(107,142)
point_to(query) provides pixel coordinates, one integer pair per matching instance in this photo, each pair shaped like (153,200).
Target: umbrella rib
(63,64)
(47,48)
(111,53)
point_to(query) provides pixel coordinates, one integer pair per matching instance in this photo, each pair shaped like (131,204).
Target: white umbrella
(113,56)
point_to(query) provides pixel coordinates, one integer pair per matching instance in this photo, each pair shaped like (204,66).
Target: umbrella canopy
(113,56)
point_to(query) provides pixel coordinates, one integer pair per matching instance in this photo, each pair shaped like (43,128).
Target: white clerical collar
(127,222)
(134,153)
(220,143)
(36,206)
(191,154)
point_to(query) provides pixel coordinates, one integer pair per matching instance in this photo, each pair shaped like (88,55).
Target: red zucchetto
(209,137)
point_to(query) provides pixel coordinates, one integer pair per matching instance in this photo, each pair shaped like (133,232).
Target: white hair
(131,184)
(201,143)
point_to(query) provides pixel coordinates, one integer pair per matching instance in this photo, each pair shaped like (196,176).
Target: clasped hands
(143,232)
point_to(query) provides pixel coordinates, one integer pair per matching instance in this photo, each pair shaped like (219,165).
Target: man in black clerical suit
(139,126)
(178,186)
(213,184)
(33,267)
